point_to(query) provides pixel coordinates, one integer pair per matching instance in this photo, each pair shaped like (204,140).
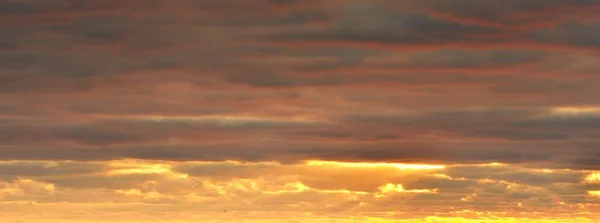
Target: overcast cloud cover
(220,104)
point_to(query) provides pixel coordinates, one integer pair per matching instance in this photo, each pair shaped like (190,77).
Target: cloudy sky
(299,111)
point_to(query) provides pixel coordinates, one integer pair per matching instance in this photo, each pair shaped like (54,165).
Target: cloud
(409,28)
(494,135)
(144,129)
(309,110)
(506,13)
(14,169)
(297,187)
(513,124)
(480,59)
(572,34)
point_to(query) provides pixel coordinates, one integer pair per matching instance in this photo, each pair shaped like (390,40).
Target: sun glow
(399,188)
(134,167)
(575,111)
(400,166)
(236,186)
(593,178)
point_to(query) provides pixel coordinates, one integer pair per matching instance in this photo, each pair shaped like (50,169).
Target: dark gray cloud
(201,44)
(512,124)
(109,132)
(8,40)
(108,29)
(67,61)
(292,19)
(474,59)
(571,34)
(511,12)
(18,7)
(269,151)
(511,136)
(387,27)
(447,152)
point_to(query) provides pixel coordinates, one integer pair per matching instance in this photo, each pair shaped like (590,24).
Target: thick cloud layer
(463,83)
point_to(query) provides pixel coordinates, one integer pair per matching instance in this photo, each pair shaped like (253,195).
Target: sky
(345,111)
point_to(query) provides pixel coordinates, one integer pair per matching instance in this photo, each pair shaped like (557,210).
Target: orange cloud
(313,111)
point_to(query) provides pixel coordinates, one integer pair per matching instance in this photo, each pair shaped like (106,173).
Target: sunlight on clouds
(247,219)
(593,178)
(398,188)
(492,164)
(136,192)
(400,166)
(137,167)
(234,162)
(27,189)
(295,187)
(51,164)
(470,197)
(386,190)
(574,111)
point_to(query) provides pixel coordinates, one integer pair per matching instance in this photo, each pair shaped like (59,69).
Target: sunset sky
(264,111)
